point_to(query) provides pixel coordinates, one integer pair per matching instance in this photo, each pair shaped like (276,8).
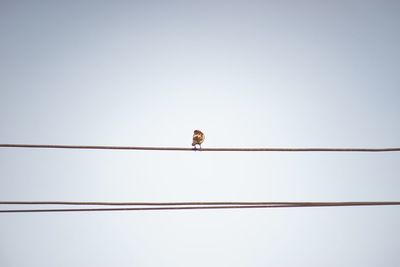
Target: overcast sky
(246,73)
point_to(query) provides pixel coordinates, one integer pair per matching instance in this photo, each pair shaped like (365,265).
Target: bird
(198,138)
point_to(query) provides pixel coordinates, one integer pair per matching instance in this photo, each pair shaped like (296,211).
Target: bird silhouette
(198,138)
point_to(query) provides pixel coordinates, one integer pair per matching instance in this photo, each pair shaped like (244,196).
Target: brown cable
(271,205)
(389,149)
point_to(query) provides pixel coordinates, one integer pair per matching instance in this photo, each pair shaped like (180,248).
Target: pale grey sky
(247,73)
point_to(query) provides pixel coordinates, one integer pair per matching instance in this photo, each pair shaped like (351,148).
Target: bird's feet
(195,148)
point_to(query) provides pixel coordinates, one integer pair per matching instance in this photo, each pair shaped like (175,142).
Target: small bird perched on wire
(198,138)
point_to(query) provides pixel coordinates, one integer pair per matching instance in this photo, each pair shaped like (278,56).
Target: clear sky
(248,74)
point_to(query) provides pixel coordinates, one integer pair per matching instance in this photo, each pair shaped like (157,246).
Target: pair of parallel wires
(164,206)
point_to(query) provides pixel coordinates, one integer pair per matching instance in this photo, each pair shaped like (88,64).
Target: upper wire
(388,149)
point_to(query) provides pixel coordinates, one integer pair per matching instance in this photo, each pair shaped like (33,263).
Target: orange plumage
(198,138)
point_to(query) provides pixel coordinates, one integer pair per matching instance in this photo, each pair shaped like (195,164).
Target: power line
(102,203)
(388,149)
(204,205)
(196,203)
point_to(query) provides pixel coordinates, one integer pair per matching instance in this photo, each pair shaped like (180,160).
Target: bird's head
(197,131)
